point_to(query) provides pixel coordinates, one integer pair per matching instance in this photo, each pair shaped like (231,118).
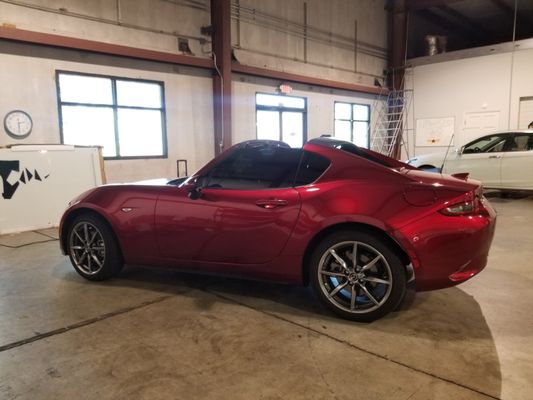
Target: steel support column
(398,34)
(221,28)
(397,42)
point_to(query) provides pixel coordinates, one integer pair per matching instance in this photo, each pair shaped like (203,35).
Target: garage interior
(458,67)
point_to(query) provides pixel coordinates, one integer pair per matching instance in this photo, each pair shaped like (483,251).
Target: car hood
(152,182)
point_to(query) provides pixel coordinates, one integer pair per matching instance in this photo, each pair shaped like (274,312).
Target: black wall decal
(6,167)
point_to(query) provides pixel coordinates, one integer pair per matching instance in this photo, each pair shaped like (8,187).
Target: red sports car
(356,225)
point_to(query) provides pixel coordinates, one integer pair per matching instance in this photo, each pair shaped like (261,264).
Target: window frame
(204,179)
(505,139)
(352,120)
(115,107)
(231,158)
(280,110)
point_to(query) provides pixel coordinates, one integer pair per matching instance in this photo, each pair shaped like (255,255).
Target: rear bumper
(448,250)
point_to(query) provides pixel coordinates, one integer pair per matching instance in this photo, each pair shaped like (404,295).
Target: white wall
(28,83)
(450,86)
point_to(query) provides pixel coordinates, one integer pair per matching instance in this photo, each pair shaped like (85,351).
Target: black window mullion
(115,116)
(140,108)
(351,123)
(280,125)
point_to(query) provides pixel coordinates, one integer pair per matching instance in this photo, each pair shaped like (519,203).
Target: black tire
(427,167)
(92,248)
(335,284)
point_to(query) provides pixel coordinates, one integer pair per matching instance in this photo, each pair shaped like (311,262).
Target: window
(311,168)
(486,144)
(126,117)
(352,122)
(256,167)
(266,167)
(281,117)
(520,142)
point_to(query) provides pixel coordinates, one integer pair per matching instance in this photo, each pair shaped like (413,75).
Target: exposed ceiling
(467,23)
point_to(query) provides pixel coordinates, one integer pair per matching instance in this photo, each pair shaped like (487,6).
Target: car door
(481,158)
(517,162)
(245,213)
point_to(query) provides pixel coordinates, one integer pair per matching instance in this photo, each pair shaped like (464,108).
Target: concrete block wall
(340,40)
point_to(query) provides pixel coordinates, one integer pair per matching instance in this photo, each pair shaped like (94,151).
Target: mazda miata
(354,224)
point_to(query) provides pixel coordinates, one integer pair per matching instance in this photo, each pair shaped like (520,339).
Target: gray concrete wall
(338,39)
(341,40)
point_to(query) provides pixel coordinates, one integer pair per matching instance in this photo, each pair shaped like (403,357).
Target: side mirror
(194,188)
(195,192)
(460,150)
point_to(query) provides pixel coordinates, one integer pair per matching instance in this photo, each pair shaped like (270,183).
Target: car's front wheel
(92,248)
(357,276)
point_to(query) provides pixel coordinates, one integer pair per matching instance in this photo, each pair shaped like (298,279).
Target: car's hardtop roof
(333,144)
(337,144)
(504,132)
(351,148)
(256,143)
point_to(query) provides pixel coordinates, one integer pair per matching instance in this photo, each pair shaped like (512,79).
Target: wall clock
(18,124)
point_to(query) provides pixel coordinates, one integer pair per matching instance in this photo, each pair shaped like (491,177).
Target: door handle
(271,203)
(495,156)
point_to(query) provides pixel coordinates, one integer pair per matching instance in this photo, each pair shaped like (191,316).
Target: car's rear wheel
(92,248)
(357,276)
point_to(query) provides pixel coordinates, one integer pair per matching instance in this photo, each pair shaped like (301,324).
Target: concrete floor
(159,334)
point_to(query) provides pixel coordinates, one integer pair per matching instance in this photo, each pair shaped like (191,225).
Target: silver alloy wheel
(87,247)
(355,277)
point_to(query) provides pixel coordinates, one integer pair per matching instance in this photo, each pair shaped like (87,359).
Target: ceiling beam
(47,39)
(417,5)
(446,24)
(503,6)
(521,20)
(476,29)
(303,79)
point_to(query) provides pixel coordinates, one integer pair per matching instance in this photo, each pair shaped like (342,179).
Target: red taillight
(464,208)
(471,204)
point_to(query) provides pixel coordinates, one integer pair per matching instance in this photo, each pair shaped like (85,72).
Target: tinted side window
(521,142)
(494,143)
(312,166)
(252,168)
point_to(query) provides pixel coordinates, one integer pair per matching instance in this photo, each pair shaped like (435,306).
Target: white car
(502,160)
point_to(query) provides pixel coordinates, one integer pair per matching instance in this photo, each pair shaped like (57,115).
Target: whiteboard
(38,181)
(435,131)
